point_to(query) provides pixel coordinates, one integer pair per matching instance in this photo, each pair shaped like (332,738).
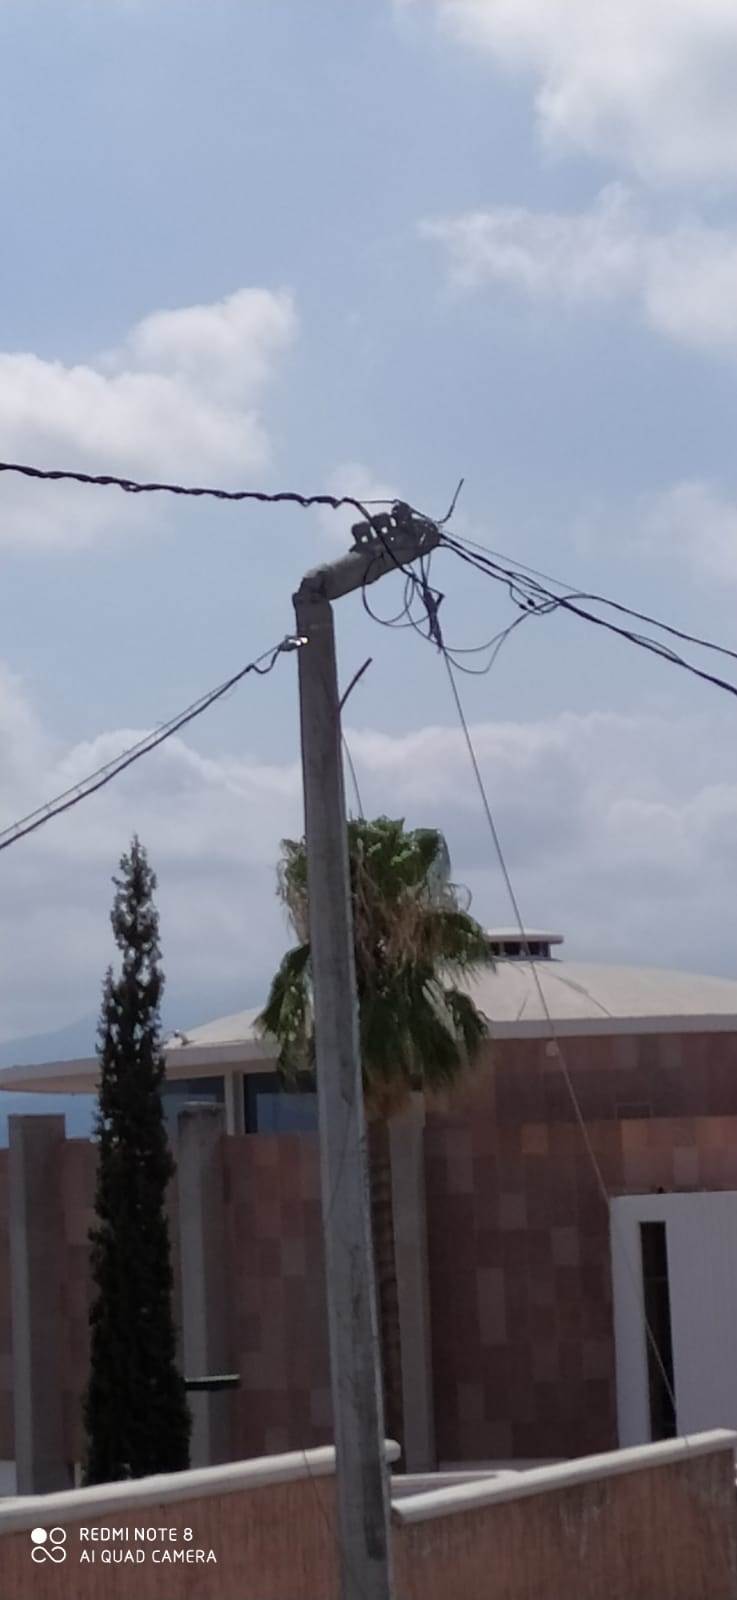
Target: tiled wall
(519,1229)
(7,1450)
(277,1332)
(518,1247)
(77,1196)
(277,1306)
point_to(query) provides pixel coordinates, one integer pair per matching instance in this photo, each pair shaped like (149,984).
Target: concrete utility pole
(358,1412)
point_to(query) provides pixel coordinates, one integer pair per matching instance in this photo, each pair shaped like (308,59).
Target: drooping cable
(533,598)
(599,599)
(103,775)
(357,676)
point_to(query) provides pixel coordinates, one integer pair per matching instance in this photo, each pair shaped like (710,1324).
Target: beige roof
(204,1052)
(577,996)
(223,1031)
(581,998)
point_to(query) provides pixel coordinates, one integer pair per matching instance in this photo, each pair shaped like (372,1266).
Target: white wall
(701,1235)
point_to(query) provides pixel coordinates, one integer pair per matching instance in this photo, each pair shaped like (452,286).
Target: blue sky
(365,248)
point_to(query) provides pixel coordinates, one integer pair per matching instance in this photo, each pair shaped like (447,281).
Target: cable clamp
(386,525)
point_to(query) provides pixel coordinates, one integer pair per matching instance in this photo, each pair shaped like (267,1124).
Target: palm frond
(414,942)
(287,1015)
(469,1023)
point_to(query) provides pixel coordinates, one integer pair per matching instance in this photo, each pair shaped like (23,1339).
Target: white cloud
(226,350)
(212,827)
(180,399)
(681,280)
(623,829)
(593,255)
(620,828)
(354,479)
(648,82)
(697,524)
(691,524)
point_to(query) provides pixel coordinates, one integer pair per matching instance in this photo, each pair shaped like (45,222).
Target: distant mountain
(181,1009)
(63,1044)
(77,1109)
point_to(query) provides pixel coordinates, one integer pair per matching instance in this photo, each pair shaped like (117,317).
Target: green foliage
(136,1415)
(414,944)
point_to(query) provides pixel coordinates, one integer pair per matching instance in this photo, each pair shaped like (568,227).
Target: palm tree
(414,945)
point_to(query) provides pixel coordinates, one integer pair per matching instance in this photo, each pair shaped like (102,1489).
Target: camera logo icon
(48,1544)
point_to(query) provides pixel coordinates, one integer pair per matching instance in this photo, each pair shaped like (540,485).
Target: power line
(604,600)
(532,598)
(554,1038)
(354,778)
(381,526)
(519,578)
(105,774)
(357,676)
(493,645)
(107,480)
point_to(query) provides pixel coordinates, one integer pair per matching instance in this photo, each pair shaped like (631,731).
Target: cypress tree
(136,1415)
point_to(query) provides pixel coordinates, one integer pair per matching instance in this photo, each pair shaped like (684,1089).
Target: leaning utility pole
(358,1413)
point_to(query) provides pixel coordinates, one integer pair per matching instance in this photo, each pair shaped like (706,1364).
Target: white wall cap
(169,1488)
(546,1480)
(416,1483)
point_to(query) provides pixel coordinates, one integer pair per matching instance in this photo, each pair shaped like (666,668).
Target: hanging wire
(357,676)
(598,599)
(532,597)
(103,775)
(108,480)
(554,1038)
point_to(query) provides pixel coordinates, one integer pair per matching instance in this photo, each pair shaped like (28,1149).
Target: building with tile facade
(577,1182)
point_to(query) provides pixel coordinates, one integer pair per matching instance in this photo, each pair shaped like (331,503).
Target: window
(516,950)
(267,1108)
(661,1383)
(211,1090)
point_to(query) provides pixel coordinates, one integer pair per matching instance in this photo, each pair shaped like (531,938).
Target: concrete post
(407,1146)
(202,1254)
(36,1275)
(364,1533)
(358,1412)
(233,1086)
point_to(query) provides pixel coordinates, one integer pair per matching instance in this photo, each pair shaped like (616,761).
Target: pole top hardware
(390,541)
(384,527)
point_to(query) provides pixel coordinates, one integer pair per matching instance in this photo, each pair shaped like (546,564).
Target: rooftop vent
(508,944)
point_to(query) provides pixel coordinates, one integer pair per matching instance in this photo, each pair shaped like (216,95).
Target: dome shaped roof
(516,996)
(585,997)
